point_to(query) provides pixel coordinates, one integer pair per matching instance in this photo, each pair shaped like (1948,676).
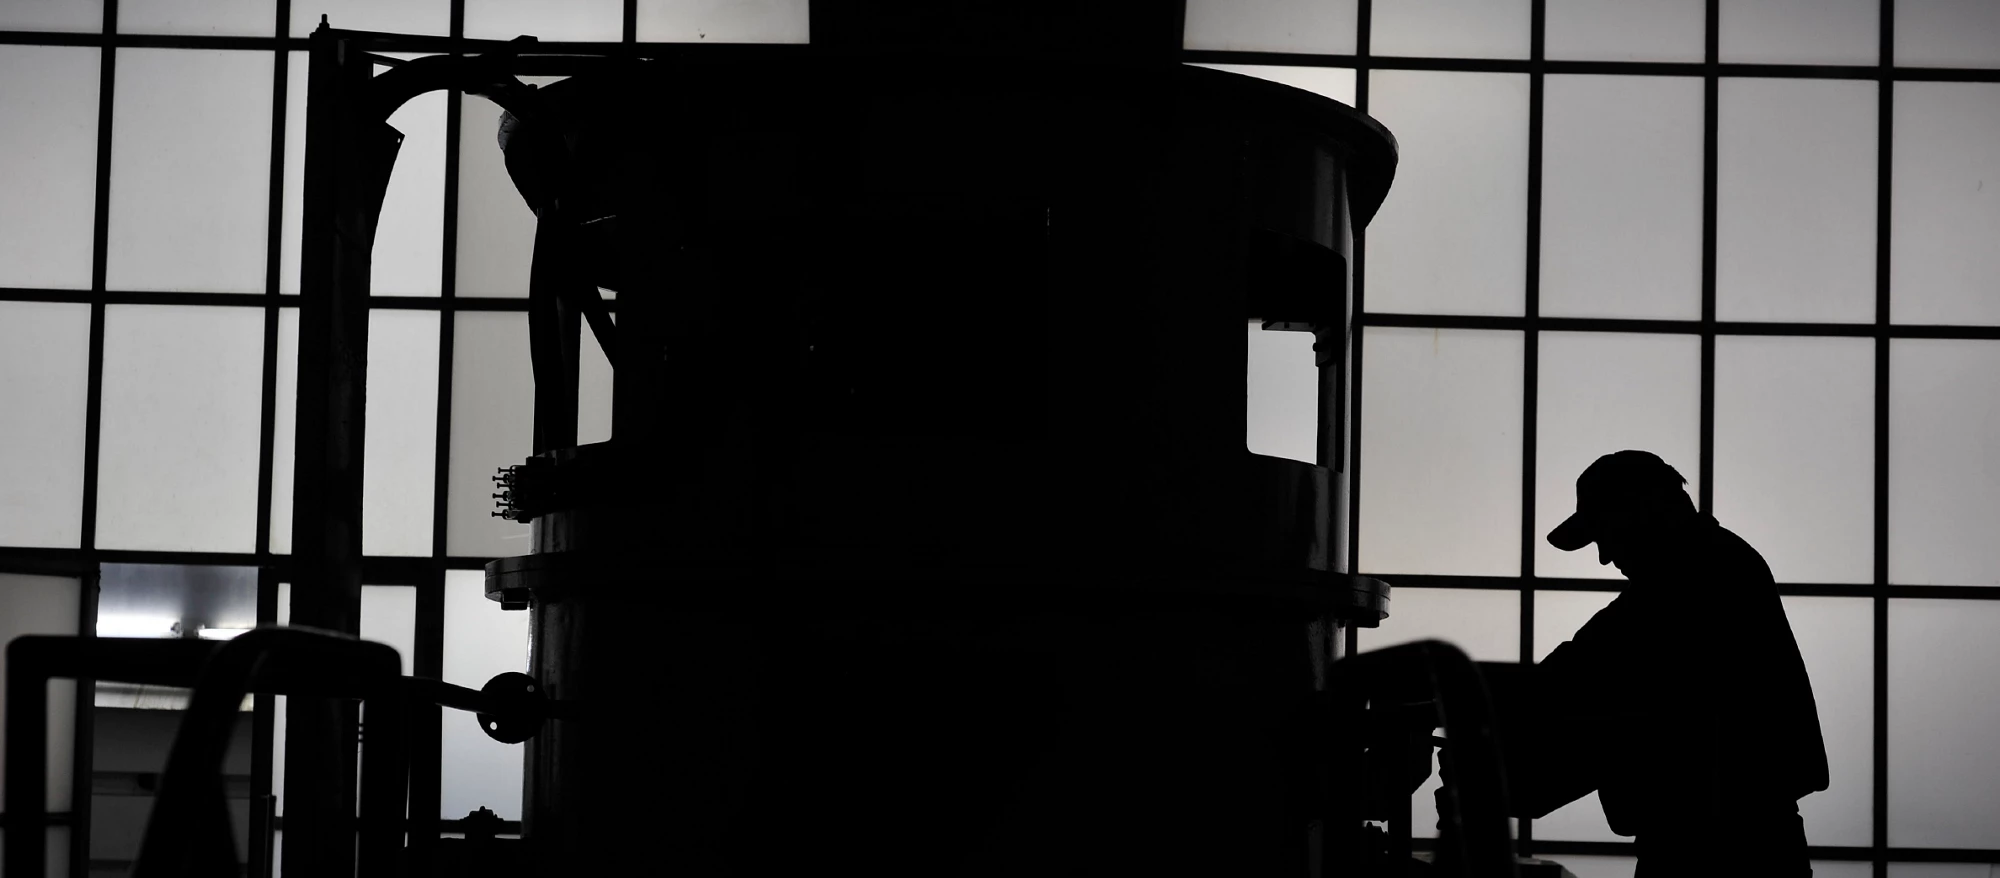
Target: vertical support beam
(1885,122)
(347,160)
(1531,353)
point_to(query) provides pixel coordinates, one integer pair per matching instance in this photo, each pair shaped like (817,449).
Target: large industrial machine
(926,542)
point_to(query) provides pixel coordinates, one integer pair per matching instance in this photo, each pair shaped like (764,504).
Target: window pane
(44,369)
(1621,197)
(1595,866)
(1801,31)
(431,17)
(246,18)
(1452,239)
(492,401)
(593,391)
(1485,623)
(723,21)
(400,471)
(1943,222)
(1795,200)
(480,641)
(1626,30)
(284,437)
(177,459)
(1324,28)
(190,170)
(1451,28)
(1944,466)
(52,15)
(1441,452)
(1947,33)
(496,230)
(1606,392)
(1282,416)
(48,164)
(571,21)
(1836,636)
(1835,869)
(408,253)
(389,615)
(1558,616)
(1944,702)
(1332,82)
(44,605)
(1794,447)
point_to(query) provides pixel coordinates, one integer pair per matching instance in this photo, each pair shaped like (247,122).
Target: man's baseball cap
(1618,480)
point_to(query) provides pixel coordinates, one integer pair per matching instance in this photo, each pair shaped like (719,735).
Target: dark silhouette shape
(1685,703)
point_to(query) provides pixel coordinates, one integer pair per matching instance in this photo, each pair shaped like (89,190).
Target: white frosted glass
(1451,28)
(1943,267)
(1281,418)
(1594,866)
(52,15)
(1836,637)
(408,255)
(492,403)
(1801,31)
(284,617)
(389,615)
(48,164)
(432,17)
(1558,616)
(1485,623)
(1621,197)
(1606,392)
(399,475)
(178,449)
(44,605)
(44,382)
(284,434)
(1626,30)
(569,21)
(723,21)
(1795,200)
(243,18)
(496,230)
(480,641)
(1848,869)
(1944,703)
(1947,33)
(190,171)
(1944,463)
(1332,82)
(593,392)
(1453,239)
(1321,27)
(1441,452)
(1794,447)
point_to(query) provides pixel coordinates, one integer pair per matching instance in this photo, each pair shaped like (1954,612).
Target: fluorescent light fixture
(138,626)
(207,633)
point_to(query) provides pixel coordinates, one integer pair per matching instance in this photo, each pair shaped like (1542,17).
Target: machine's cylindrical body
(927,542)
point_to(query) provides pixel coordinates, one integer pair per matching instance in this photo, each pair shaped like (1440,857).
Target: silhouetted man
(1684,703)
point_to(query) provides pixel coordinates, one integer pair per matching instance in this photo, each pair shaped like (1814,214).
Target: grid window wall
(1751,235)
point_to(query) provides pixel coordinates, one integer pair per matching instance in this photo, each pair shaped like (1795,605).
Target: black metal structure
(1036,605)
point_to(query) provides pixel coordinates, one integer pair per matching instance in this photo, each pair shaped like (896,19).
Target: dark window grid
(398,569)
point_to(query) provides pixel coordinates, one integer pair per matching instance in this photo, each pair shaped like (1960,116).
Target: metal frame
(427,573)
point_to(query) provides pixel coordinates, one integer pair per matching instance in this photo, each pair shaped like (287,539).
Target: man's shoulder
(1733,555)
